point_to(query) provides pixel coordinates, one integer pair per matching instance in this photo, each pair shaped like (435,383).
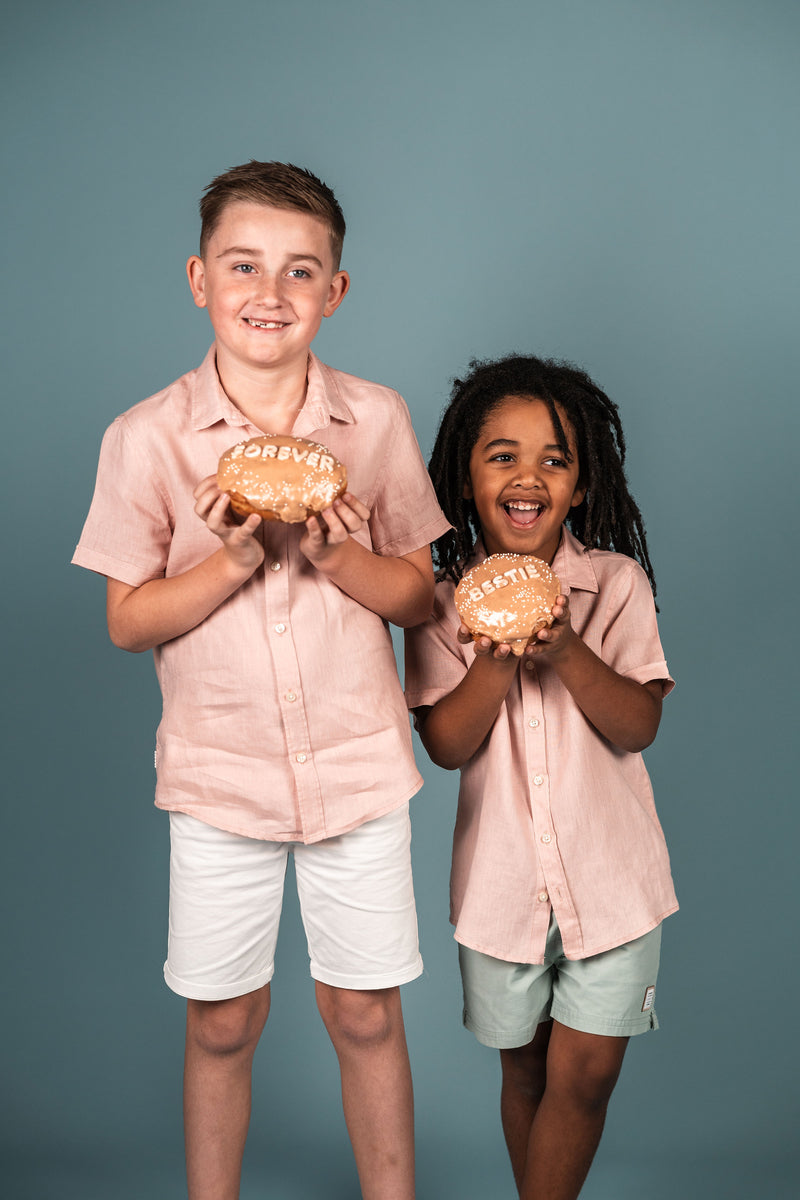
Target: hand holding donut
(331,529)
(213,507)
(553,639)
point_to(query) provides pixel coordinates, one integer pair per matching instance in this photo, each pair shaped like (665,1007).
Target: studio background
(605,180)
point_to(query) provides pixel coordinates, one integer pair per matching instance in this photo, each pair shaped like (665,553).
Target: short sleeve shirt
(551,816)
(283,715)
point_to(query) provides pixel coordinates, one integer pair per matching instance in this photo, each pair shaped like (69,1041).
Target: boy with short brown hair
(284,725)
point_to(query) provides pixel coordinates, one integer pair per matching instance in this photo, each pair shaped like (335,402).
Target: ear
(577,495)
(196,274)
(340,286)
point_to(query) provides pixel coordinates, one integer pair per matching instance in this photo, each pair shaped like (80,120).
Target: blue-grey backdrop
(614,181)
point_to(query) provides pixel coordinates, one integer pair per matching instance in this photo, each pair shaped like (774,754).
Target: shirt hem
(416,540)
(200,813)
(506,956)
(112,568)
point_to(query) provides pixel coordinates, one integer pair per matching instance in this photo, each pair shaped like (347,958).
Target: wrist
(238,566)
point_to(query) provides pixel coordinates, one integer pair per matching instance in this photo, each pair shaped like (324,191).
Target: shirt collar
(324,400)
(572,564)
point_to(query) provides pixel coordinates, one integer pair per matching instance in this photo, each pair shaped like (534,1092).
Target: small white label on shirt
(649,997)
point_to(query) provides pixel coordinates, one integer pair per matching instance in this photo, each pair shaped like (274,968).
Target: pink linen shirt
(283,716)
(552,816)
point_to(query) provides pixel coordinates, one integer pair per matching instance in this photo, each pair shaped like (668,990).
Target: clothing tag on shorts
(649,997)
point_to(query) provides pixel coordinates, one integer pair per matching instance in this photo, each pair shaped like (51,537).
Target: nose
(269,289)
(527,475)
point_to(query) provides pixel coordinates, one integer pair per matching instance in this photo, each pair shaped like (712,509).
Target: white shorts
(226,892)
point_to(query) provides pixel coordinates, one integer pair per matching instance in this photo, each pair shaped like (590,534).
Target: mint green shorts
(612,993)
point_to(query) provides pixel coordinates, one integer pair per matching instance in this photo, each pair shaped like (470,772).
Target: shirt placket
(553,891)
(277,592)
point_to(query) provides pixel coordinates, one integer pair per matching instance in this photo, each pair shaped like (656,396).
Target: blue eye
(245,268)
(299,273)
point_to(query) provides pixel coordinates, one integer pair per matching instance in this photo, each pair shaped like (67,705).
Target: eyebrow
(511,442)
(249,252)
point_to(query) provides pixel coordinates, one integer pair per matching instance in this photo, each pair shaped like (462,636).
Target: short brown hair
(278,185)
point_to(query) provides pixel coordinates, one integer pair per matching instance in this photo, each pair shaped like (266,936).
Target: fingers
(205,494)
(485,647)
(560,609)
(345,516)
(351,503)
(214,507)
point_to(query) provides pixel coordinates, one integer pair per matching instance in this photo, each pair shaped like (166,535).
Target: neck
(270,398)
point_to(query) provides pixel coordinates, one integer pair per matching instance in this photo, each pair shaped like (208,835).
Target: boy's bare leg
(568,1119)
(524,1079)
(221,1037)
(366,1028)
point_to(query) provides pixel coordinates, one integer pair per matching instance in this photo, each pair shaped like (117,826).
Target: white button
(291,697)
(534,723)
(546,838)
(301,758)
(280,628)
(276,566)
(538,780)
(543,897)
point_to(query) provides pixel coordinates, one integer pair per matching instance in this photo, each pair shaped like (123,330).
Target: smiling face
(521,483)
(267,279)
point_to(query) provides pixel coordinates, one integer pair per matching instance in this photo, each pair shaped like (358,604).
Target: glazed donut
(508,598)
(281,478)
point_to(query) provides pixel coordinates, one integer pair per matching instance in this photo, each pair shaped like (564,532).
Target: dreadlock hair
(606,519)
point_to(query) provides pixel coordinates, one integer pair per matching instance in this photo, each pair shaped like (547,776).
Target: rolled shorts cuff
(215,991)
(368,983)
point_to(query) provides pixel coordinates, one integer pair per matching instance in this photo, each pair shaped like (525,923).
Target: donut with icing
(281,478)
(508,598)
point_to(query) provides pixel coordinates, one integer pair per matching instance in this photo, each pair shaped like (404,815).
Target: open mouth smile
(523,513)
(254,324)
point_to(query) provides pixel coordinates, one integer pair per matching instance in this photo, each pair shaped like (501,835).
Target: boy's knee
(360,1018)
(227,1027)
(524,1068)
(589,1071)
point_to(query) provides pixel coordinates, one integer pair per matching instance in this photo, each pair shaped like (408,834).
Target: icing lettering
(312,458)
(512,575)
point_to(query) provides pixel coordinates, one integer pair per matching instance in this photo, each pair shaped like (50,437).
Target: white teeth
(520,504)
(265,324)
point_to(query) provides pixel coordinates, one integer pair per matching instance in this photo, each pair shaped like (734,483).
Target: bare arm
(398,589)
(454,728)
(140,618)
(624,711)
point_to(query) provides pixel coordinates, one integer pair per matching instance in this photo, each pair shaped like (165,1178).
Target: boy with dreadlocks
(560,877)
